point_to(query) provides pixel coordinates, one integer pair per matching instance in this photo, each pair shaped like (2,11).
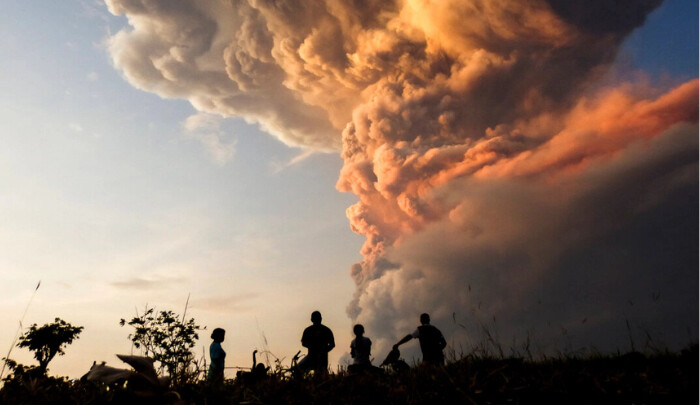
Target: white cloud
(206,128)
(276,166)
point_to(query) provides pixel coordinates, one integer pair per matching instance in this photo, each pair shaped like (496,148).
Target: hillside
(633,378)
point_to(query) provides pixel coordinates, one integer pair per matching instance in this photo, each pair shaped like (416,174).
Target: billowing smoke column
(501,187)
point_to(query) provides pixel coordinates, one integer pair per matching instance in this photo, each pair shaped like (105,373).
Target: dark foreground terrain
(620,379)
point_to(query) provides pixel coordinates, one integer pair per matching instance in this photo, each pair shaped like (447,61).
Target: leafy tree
(167,339)
(48,340)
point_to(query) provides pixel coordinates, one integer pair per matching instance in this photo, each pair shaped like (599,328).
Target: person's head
(218,335)
(425,319)
(316,317)
(359,330)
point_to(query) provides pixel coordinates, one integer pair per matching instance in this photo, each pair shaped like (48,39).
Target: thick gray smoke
(501,189)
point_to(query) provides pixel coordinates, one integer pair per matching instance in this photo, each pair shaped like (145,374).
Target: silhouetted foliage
(663,378)
(31,384)
(48,340)
(168,340)
(477,378)
(616,379)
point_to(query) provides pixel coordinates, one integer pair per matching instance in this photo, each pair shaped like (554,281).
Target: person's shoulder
(432,330)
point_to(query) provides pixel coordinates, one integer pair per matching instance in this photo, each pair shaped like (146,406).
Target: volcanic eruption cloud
(507,184)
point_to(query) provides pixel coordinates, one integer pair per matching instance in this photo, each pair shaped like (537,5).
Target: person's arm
(254,363)
(402,341)
(331,340)
(304,340)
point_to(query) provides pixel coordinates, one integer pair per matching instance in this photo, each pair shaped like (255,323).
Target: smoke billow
(496,177)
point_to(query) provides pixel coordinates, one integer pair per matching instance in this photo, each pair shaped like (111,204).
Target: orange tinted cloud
(473,132)
(602,127)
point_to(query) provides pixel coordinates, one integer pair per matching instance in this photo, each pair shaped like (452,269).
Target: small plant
(48,340)
(168,340)
(31,384)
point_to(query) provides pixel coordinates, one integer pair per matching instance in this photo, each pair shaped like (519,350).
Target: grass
(633,378)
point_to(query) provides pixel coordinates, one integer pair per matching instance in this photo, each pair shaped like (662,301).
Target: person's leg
(321,366)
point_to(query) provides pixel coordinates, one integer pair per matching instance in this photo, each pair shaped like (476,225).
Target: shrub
(48,340)
(168,340)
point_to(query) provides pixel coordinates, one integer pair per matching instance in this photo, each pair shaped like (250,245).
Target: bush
(169,341)
(48,340)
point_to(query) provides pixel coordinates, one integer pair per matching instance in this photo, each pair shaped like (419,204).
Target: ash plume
(496,176)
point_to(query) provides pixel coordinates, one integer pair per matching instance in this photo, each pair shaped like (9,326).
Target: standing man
(318,339)
(431,341)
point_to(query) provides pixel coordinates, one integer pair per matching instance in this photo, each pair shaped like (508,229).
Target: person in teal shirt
(217,355)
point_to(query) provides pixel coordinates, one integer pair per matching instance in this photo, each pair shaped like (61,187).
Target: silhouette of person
(360,347)
(257,372)
(318,339)
(217,355)
(394,360)
(431,341)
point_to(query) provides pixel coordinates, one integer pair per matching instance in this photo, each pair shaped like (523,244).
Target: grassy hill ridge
(633,378)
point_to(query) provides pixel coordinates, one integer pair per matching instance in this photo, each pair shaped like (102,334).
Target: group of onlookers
(318,340)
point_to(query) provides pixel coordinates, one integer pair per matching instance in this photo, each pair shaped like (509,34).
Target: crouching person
(360,350)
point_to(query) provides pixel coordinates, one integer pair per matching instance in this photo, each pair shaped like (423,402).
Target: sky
(527,170)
